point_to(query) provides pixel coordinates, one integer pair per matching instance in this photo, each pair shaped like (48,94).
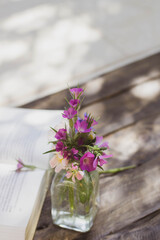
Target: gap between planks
(122,91)
(128,126)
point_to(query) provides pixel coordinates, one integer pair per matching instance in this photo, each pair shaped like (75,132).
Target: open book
(23,134)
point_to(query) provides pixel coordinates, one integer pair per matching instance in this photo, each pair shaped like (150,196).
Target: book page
(24,134)
(18,195)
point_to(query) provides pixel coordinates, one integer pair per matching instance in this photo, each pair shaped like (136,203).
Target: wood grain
(126,108)
(129,196)
(147,228)
(128,101)
(125,197)
(135,144)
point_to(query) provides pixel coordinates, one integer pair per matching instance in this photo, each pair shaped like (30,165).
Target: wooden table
(128,101)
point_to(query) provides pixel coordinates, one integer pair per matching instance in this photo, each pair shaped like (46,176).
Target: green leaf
(53,150)
(100,167)
(80,154)
(67,100)
(103,148)
(54,129)
(54,142)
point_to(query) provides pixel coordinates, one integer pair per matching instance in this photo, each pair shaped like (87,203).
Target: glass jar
(75,204)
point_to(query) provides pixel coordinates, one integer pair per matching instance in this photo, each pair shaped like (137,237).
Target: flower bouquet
(78,154)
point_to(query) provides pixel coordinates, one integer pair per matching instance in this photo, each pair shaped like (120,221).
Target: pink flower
(58,162)
(61,134)
(70,113)
(74,172)
(74,102)
(101,159)
(99,142)
(20,165)
(76,92)
(82,126)
(86,162)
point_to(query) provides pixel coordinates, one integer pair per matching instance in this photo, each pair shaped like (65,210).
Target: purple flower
(82,126)
(101,160)
(99,142)
(74,102)
(65,153)
(90,120)
(86,162)
(72,154)
(76,92)
(70,113)
(74,151)
(59,146)
(61,134)
(20,165)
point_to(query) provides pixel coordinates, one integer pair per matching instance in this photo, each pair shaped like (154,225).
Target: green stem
(116,170)
(71,124)
(30,166)
(71,198)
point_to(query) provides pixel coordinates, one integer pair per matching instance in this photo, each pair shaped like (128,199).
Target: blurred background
(48,45)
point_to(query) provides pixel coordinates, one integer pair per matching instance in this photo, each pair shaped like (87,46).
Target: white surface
(46,45)
(19,200)
(24,134)
(18,211)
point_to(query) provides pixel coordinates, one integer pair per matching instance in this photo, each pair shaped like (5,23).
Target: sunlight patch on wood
(126,146)
(148,90)
(94,88)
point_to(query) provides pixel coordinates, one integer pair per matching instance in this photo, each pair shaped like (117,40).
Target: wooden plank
(148,228)
(127,108)
(135,144)
(125,197)
(107,85)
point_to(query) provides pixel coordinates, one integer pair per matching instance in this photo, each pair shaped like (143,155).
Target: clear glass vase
(74,205)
